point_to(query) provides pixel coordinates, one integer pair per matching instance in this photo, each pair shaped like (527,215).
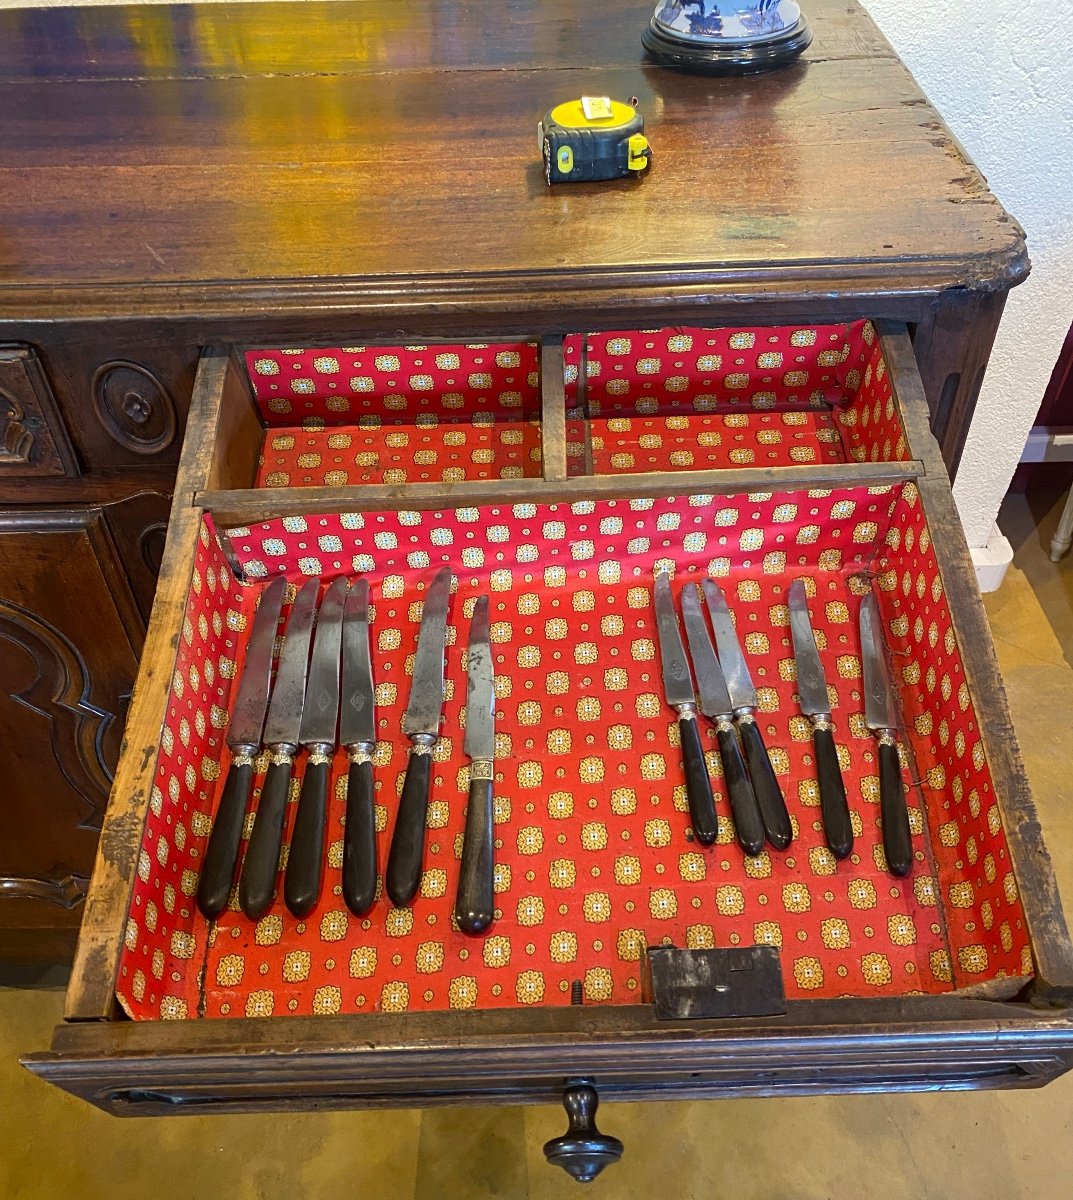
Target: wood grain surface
(227,158)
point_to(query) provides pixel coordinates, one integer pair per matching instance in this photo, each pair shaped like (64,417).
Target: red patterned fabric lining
(594,856)
(656,400)
(975,876)
(397,385)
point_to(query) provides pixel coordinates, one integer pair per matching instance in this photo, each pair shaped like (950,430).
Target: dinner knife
(421,724)
(243,740)
(357,732)
(475,899)
(880,718)
(678,689)
(715,703)
(816,705)
(261,864)
(305,862)
(743,696)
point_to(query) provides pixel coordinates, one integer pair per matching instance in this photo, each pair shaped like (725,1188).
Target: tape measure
(592,138)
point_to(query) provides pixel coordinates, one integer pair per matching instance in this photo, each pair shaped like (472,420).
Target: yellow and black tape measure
(592,138)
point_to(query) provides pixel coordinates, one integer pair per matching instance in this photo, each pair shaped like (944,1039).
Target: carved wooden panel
(68,625)
(124,396)
(139,525)
(33,441)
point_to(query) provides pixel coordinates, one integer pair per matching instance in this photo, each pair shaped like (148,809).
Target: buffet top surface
(208,159)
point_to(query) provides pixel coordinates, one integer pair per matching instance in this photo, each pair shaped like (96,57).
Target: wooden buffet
(182,184)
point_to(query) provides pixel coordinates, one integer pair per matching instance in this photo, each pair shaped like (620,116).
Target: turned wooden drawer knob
(582,1151)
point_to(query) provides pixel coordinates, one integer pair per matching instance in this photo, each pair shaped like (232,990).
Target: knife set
(729,699)
(325,699)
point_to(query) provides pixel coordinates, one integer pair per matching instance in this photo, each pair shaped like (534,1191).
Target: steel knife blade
(288,695)
(743,696)
(714,696)
(678,687)
(357,731)
(257,884)
(357,708)
(421,724)
(243,740)
(251,703)
(878,707)
(422,717)
(480,738)
(320,716)
(677,677)
(880,717)
(816,704)
(735,671)
(475,899)
(811,681)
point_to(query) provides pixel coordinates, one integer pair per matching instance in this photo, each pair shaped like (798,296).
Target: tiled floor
(949,1146)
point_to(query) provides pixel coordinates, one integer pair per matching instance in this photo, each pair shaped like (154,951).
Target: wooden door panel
(67,662)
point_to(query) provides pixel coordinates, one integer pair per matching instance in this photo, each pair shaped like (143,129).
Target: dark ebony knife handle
(740,792)
(834,808)
(359,838)
(261,864)
(769,795)
(897,841)
(698,783)
(475,900)
(403,875)
(305,862)
(221,854)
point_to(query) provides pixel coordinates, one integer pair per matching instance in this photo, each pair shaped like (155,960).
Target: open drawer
(773,454)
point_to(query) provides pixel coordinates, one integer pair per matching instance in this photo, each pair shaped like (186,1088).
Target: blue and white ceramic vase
(727,35)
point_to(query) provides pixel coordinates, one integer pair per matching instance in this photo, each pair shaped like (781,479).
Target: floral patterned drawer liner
(595,859)
(651,403)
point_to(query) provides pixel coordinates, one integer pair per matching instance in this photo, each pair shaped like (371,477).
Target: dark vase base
(731,58)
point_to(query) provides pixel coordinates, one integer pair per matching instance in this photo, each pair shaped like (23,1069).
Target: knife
(816,705)
(305,862)
(715,703)
(421,724)
(743,696)
(475,900)
(243,740)
(357,732)
(880,718)
(678,688)
(261,864)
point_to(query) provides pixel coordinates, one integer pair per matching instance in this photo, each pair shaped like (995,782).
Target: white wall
(1000,72)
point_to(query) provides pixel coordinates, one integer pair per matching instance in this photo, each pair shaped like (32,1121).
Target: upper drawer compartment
(594,414)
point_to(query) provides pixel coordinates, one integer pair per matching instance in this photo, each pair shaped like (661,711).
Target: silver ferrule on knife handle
(243,756)
(885,737)
(360,752)
(686,712)
(282,754)
(482,768)
(423,743)
(821,722)
(320,752)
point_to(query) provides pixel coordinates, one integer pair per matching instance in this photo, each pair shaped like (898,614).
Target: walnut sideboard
(178,183)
